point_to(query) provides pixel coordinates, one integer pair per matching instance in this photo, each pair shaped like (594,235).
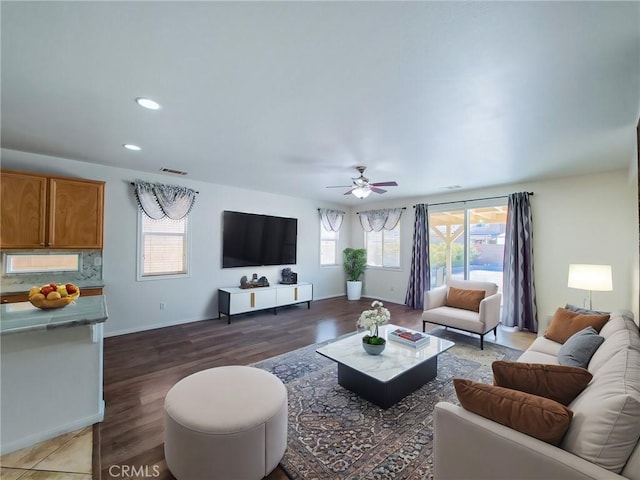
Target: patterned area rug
(335,434)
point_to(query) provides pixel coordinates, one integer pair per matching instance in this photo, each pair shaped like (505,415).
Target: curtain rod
(401,208)
(133,183)
(471,200)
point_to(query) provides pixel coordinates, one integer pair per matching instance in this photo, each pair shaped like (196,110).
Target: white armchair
(487,317)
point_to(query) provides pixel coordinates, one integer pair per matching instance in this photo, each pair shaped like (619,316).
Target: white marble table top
(393,361)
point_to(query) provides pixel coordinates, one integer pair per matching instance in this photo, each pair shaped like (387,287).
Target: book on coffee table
(409,337)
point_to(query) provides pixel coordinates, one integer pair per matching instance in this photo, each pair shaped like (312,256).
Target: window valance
(376,220)
(331,219)
(158,201)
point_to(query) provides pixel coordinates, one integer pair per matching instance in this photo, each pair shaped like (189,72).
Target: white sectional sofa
(603,438)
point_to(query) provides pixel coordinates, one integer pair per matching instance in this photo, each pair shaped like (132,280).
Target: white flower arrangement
(373,318)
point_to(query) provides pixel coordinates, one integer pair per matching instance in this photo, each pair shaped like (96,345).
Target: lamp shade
(590,277)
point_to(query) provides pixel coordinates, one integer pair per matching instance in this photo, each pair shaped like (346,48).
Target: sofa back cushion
(605,427)
(619,332)
(565,323)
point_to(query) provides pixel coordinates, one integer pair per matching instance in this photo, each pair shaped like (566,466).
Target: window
(383,248)
(467,243)
(43,263)
(163,247)
(328,246)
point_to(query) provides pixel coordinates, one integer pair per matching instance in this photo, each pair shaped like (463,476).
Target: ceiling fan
(361,187)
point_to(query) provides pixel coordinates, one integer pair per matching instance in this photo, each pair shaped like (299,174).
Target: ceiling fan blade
(377,190)
(384,184)
(347,193)
(338,186)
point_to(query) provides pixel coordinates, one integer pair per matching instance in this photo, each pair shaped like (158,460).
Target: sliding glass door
(467,242)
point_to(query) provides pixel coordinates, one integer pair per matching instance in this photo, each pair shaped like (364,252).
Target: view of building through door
(467,243)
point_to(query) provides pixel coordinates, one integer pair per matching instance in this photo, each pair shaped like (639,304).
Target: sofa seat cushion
(532,415)
(538,357)
(606,427)
(559,383)
(455,318)
(544,345)
(565,323)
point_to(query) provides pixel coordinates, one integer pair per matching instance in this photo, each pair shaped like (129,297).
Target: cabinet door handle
(295,293)
(253,299)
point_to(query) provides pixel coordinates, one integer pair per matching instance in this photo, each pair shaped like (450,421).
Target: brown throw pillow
(532,415)
(465,299)
(556,382)
(565,323)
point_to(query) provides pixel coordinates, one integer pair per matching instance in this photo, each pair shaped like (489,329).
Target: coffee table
(387,378)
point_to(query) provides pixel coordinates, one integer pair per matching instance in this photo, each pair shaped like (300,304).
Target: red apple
(54,286)
(71,288)
(47,290)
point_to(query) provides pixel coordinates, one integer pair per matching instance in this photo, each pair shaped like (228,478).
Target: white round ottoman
(225,423)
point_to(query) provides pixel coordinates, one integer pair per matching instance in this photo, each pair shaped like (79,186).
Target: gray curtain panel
(519,293)
(158,201)
(420,277)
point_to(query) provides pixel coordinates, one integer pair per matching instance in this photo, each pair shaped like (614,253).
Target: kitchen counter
(50,375)
(24,317)
(24,287)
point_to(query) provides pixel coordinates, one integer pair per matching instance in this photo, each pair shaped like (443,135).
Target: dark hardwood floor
(140,368)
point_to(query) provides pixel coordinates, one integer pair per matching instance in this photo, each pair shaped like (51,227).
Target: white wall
(585,219)
(135,306)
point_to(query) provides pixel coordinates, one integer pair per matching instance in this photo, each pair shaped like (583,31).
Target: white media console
(236,300)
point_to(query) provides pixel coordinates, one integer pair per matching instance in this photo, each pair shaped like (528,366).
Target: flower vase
(372,349)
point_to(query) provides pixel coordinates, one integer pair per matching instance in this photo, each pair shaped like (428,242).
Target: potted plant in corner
(354,261)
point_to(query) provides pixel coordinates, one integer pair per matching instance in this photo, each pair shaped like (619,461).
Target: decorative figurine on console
(255,281)
(289,277)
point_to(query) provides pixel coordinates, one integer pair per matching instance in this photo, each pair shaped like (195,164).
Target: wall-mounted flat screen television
(251,240)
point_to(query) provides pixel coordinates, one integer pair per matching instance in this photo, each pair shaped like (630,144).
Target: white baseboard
(12,446)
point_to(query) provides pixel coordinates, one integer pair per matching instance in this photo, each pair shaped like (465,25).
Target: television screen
(250,240)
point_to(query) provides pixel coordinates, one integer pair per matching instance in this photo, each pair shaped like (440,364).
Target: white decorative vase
(354,290)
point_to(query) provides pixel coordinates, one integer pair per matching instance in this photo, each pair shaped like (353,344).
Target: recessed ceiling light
(130,146)
(148,103)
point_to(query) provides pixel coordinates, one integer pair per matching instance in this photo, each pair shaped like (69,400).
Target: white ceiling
(289,97)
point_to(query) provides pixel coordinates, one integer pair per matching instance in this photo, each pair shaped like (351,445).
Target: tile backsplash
(90,273)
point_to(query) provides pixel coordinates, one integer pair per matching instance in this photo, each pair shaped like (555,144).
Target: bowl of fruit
(53,295)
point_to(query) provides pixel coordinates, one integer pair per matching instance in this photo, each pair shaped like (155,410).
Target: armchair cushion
(532,415)
(465,299)
(565,323)
(559,383)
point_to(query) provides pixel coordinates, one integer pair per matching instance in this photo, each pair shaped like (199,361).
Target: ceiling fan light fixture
(361,192)
(148,103)
(131,146)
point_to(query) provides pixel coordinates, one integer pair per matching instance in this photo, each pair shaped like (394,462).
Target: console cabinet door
(254,299)
(294,294)
(75,213)
(23,214)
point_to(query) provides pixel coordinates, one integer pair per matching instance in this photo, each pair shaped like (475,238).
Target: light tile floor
(67,457)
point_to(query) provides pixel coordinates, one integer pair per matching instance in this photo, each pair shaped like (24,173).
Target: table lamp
(590,277)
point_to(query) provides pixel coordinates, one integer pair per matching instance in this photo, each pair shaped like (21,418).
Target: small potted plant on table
(373,344)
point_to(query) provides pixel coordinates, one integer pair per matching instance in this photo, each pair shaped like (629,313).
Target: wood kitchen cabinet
(39,211)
